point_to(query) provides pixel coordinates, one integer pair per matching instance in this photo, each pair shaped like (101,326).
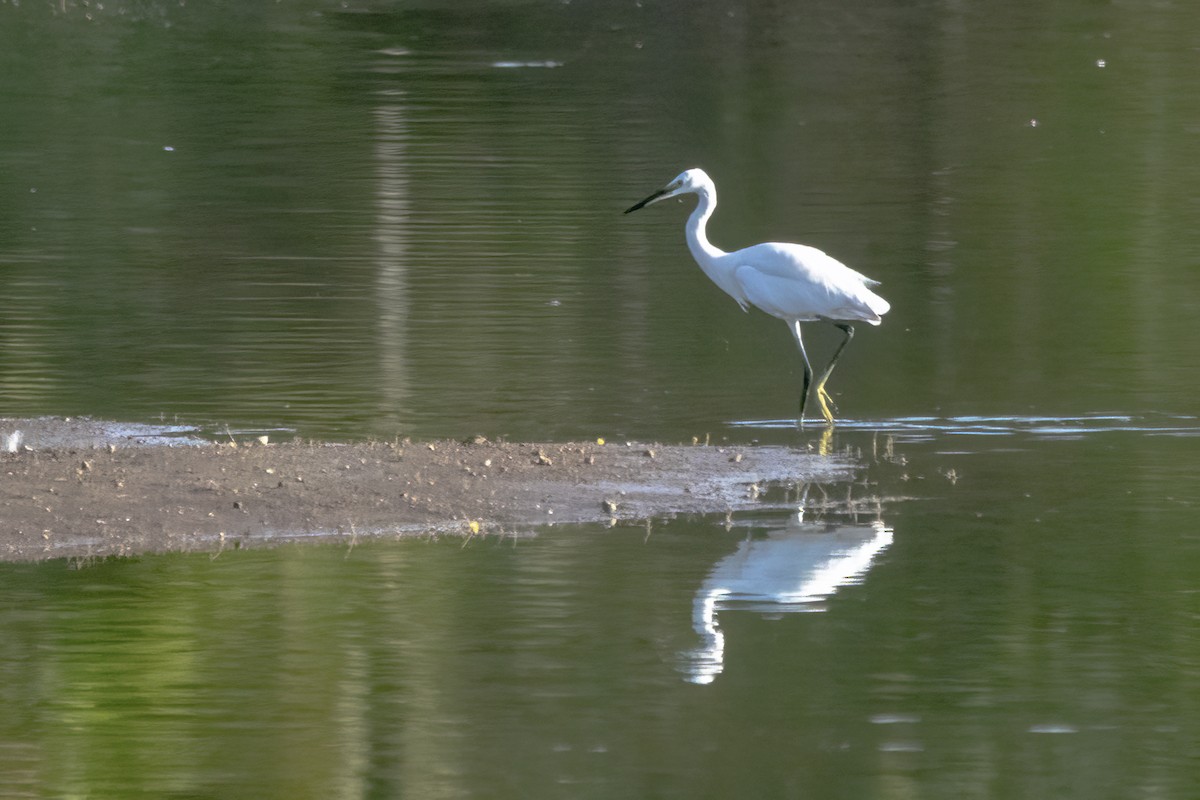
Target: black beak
(647,201)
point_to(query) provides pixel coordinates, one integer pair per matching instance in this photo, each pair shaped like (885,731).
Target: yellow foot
(827,405)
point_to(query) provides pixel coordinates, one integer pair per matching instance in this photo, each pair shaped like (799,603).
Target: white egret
(793,282)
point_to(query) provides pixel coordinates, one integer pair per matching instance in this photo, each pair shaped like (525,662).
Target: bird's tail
(877,305)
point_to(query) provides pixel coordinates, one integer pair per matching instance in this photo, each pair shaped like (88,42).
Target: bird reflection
(790,570)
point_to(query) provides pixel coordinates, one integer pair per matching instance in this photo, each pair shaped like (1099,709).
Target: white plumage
(793,282)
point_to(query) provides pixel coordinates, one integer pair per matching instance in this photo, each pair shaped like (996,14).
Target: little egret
(793,282)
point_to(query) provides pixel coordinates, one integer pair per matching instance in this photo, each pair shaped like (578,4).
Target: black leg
(807,371)
(823,396)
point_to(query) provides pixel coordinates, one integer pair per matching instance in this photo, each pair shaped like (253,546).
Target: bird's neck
(697,237)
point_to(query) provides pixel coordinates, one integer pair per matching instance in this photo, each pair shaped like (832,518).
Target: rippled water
(1012,620)
(359,221)
(371,220)
(909,429)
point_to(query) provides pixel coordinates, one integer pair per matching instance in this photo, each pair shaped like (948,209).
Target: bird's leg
(807,371)
(823,396)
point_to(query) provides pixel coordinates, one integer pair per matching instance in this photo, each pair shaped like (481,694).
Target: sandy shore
(85,488)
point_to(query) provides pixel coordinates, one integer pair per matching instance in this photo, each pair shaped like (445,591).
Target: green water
(353,221)
(1015,636)
(356,220)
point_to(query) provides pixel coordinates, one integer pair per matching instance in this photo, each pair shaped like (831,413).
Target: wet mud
(81,488)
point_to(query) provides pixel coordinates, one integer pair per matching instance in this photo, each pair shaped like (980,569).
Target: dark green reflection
(358,224)
(1030,625)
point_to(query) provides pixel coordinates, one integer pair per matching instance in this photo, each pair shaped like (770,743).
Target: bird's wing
(802,283)
(780,297)
(786,260)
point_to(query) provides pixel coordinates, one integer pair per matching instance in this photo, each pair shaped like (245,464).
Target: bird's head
(693,180)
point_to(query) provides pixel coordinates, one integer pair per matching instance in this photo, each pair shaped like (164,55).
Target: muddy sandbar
(85,488)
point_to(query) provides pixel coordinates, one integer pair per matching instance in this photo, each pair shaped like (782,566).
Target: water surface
(1002,632)
(403,219)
